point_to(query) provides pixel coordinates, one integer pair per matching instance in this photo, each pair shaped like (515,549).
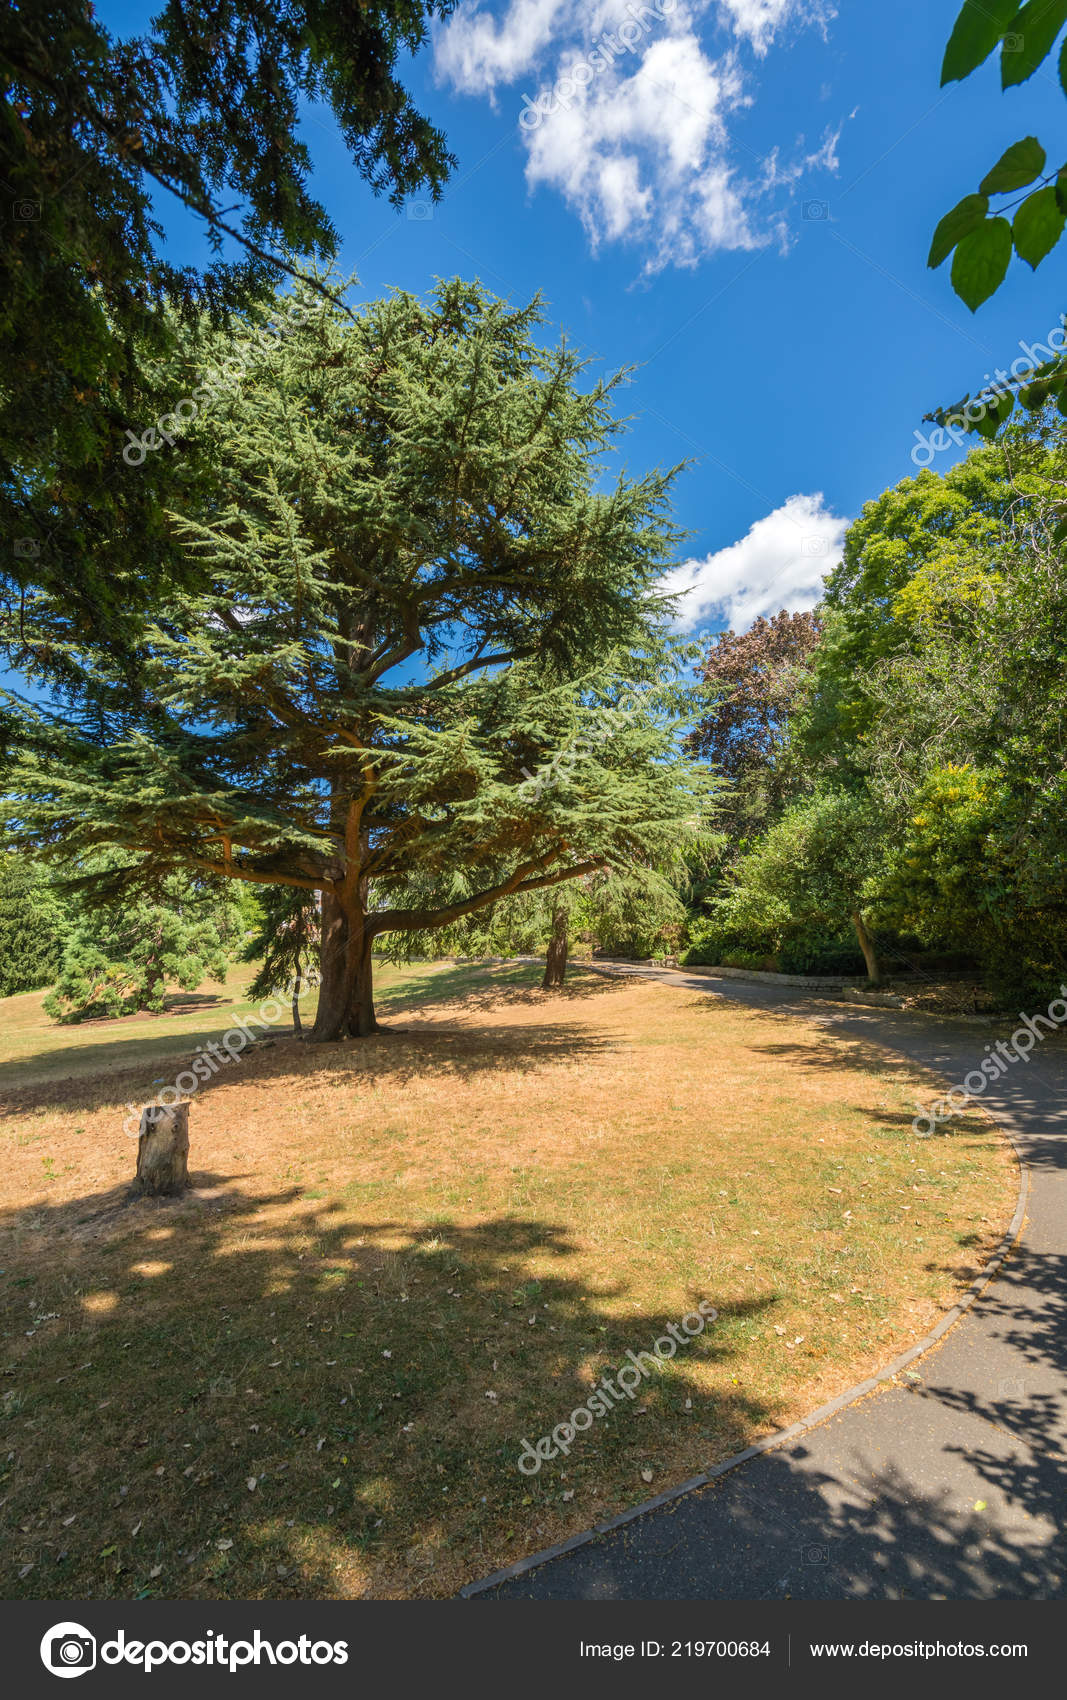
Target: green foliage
(634,911)
(815,865)
(923,522)
(821,949)
(284,942)
(33,924)
(130,941)
(1038,226)
(955,225)
(979,27)
(940,692)
(952,879)
(981,261)
(204,105)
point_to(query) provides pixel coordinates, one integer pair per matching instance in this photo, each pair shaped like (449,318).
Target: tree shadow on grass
(854,1056)
(402,1054)
(484,986)
(132,1067)
(251,1395)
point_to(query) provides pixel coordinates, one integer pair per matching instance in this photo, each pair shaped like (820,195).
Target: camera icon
(68,1649)
(1013,43)
(816,211)
(815,1554)
(420,211)
(27,548)
(813,545)
(25,211)
(1011,1387)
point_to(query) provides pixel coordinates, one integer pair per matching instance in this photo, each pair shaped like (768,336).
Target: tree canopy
(203,106)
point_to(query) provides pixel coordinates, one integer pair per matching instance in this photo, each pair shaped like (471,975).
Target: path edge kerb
(1005,1125)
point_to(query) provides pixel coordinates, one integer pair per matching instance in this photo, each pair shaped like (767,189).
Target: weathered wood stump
(163,1149)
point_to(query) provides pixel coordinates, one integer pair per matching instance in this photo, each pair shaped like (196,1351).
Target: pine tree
(285,944)
(203,103)
(33,924)
(423,643)
(129,943)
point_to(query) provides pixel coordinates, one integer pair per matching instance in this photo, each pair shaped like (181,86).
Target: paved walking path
(956,1489)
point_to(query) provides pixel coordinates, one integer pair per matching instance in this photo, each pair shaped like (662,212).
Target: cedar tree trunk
(346,995)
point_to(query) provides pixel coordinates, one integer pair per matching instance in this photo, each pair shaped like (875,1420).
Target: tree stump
(163,1149)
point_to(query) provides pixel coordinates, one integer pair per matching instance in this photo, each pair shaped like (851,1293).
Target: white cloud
(780,563)
(628,173)
(760,20)
(475,53)
(627,109)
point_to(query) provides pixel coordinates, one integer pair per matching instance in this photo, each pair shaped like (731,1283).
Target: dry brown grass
(402,1255)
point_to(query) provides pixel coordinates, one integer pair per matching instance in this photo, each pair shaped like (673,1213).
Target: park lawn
(34,1047)
(311,1376)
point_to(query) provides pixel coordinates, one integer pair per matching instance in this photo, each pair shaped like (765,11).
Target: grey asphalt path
(953,1487)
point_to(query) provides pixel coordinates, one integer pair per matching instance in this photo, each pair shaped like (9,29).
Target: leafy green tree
(967,752)
(816,864)
(203,106)
(414,646)
(130,942)
(33,925)
(973,513)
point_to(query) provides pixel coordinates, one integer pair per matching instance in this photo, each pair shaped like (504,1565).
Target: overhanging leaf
(1030,38)
(975,33)
(981,261)
(1037,226)
(1034,396)
(1015,168)
(955,224)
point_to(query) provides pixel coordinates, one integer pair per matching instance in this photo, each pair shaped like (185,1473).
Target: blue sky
(737,196)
